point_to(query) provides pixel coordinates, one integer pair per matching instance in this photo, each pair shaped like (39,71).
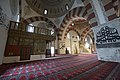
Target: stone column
(98,11)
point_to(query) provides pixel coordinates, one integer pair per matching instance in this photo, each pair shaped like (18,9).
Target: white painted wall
(3,39)
(61,48)
(13,59)
(5,4)
(67,44)
(27,12)
(74,44)
(37,57)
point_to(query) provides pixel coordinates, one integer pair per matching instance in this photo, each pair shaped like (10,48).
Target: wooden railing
(24,28)
(20,36)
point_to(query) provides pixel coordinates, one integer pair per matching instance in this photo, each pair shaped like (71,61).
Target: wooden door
(25,53)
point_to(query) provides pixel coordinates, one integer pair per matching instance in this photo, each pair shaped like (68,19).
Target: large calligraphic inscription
(107,40)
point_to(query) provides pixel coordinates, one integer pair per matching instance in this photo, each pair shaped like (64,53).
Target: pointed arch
(86,12)
(37,18)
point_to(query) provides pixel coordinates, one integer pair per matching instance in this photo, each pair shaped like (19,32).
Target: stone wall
(107,39)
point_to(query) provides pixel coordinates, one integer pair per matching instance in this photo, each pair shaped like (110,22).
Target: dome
(51,8)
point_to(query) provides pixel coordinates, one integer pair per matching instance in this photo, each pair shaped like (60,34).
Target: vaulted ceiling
(51,8)
(67,9)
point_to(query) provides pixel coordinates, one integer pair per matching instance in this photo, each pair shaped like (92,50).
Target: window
(66,6)
(87,45)
(88,42)
(18,18)
(68,48)
(45,11)
(30,28)
(52,51)
(78,38)
(52,32)
(68,35)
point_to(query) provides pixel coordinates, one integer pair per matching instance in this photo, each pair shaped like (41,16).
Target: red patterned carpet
(82,67)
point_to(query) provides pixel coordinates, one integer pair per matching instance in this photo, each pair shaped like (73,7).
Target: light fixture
(73,24)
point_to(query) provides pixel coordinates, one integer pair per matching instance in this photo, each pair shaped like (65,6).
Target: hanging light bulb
(73,24)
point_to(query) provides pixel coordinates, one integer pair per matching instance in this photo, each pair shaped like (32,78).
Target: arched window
(45,11)
(66,6)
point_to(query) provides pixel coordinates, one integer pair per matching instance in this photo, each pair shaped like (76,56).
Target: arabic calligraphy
(107,35)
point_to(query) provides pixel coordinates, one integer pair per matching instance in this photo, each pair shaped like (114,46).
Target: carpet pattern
(57,69)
